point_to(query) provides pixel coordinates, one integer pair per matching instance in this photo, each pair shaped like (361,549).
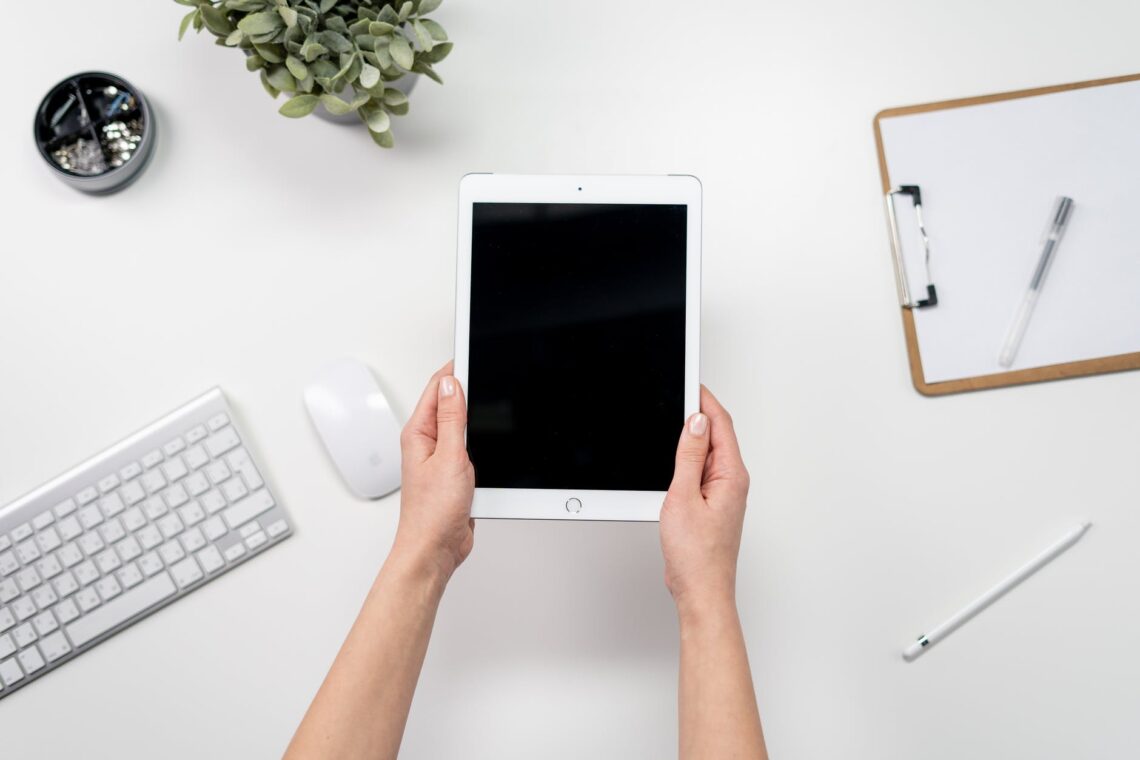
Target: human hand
(703,513)
(438,479)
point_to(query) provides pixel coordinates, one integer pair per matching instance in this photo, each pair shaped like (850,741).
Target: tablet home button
(574,505)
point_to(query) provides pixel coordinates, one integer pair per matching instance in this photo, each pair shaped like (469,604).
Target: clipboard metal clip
(905,298)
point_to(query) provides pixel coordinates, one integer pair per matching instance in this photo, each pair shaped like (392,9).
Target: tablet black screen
(577,347)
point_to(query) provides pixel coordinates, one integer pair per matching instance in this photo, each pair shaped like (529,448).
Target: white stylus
(927,640)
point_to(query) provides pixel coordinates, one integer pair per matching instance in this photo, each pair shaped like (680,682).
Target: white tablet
(577,340)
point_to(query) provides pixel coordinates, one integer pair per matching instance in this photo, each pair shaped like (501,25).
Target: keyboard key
(170,526)
(235,551)
(90,517)
(43,519)
(27,552)
(109,483)
(7,646)
(249,529)
(24,635)
(23,608)
(66,585)
(256,540)
(28,578)
(108,561)
(86,573)
(151,459)
(69,528)
(65,508)
(7,619)
(133,519)
(10,672)
(120,610)
(44,597)
(248,508)
(155,507)
(48,540)
(112,531)
(174,469)
(193,540)
(8,591)
(234,490)
(196,484)
(128,548)
(196,457)
(214,528)
(49,567)
(91,543)
(87,495)
(218,472)
(153,481)
(132,493)
(150,563)
(130,576)
(212,502)
(171,552)
(220,443)
(186,572)
(149,537)
(5,543)
(108,588)
(31,660)
(211,559)
(66,611)
(55,646)
(173,447)
(192,514)
(45,623)
(218,421)
(195,434)
(277,528)
(112,505)
(175,496)
(87,599)
(131,471)
(69,555)
(21,532)
(8,563)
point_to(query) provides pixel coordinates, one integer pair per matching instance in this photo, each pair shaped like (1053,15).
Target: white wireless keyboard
(128,531)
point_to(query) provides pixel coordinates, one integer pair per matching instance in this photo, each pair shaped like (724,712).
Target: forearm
(362,706)
(718,713)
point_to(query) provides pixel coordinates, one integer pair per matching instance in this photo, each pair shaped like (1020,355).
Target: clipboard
(910,296)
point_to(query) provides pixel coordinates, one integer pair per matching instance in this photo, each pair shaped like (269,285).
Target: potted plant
(346,56)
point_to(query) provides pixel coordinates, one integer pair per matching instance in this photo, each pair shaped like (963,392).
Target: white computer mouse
(358,427)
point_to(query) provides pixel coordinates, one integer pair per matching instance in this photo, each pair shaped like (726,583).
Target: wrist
(419,564)
(697,607)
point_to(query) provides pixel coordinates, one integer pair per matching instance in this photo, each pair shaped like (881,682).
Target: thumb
(451,416)
(692,450)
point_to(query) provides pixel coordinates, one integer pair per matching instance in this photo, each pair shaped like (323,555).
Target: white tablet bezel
(554,504)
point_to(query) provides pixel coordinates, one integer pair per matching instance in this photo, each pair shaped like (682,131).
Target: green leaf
(265,22)
(268,87)
(335,105)
(186,23)
(323,69)
(360,100)
(401,52)
(376,119)
(246,6)
(369,76)
(298,106)
(216,20)
(425,68)
(383,139)
(393,97)
(281,79)
(376,28)
(271,53)
(427,6)
(435,30)
(388,15)
(383,56)
(327,5)
(337,43)
(399,110)
(254,62)
(312,50)
(288,15)
(437,53)
(234,37)
(296,67)
(423,36)
(406,10)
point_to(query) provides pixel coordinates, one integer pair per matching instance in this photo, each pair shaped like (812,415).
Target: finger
(692,450)
(723,436)
(420,432)
(451,417)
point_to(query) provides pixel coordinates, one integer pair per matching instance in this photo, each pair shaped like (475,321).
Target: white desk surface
(254,248)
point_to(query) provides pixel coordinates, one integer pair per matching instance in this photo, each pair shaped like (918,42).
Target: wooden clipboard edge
(1083,368)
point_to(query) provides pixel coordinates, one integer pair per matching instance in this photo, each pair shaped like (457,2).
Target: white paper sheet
(989,176)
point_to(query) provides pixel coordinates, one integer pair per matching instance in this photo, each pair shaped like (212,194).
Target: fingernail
(447,387)
(698,424)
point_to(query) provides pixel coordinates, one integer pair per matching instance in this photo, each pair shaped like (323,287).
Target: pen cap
(1058,219)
